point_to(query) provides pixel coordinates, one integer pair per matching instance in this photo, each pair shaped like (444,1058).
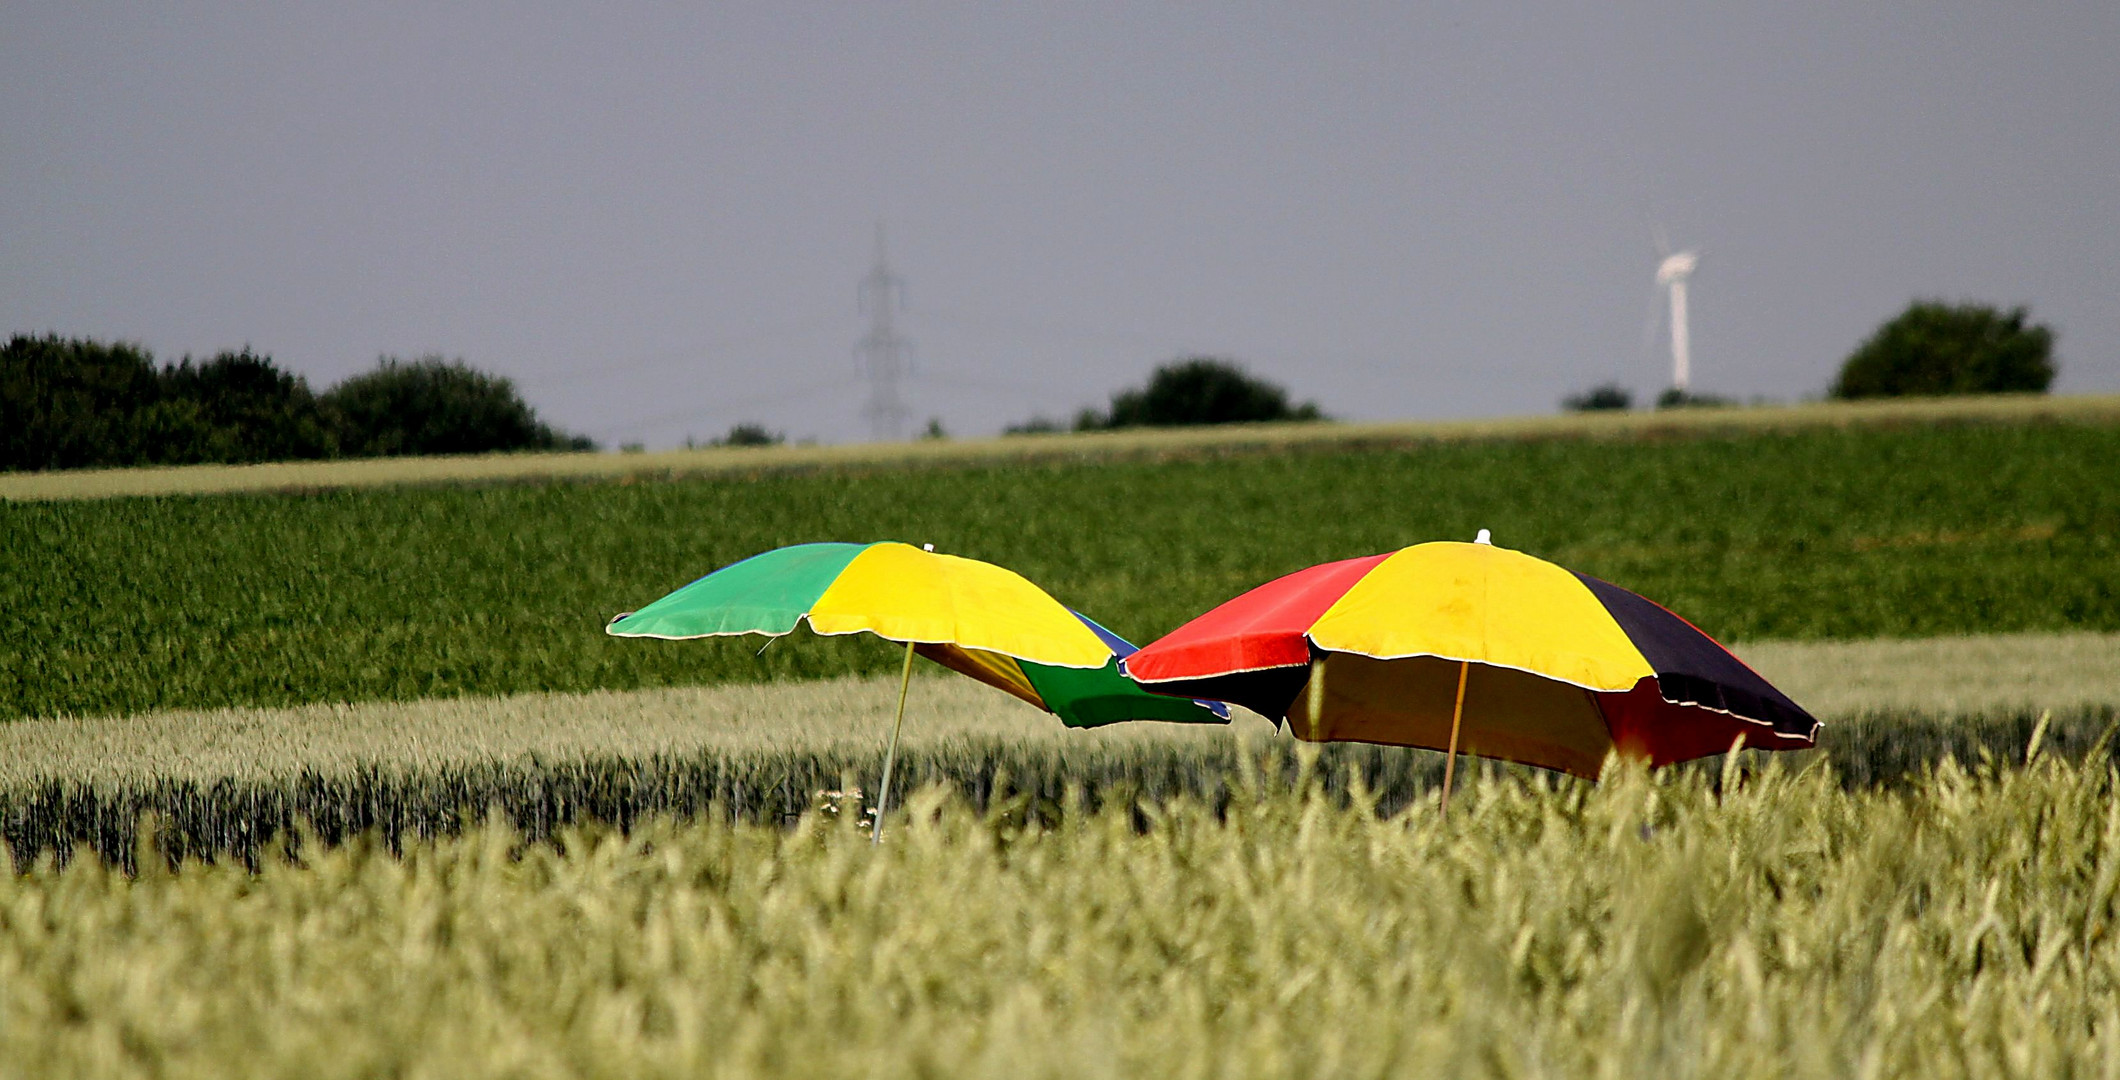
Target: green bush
(1939,348)
(437,406)
(1199,390)
(1675,398)
(750,434)
(70,404)
(1611,397)
(237,407)
(78,403)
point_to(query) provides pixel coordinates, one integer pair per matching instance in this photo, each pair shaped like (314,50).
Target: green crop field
(1695,925)
(122,606)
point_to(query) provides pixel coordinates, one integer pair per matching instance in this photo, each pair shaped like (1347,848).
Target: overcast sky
(654,217)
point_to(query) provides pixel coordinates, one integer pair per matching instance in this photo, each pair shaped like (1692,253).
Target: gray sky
(654,218)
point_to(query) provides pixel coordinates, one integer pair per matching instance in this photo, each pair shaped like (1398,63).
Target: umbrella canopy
(1547,667)
(973,617)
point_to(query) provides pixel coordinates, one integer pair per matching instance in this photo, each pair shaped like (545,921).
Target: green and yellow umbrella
(972,617)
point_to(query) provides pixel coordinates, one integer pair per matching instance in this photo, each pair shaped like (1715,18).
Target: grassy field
(1769,925)
(1042,449)
(134,605)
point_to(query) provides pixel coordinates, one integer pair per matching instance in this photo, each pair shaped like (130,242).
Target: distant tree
(748,434)
(68,404)
(1937,348)
(1609,397)
(1036,425)
(934,429)
(437,406)
(1197,390)
(74,403)
(1674,398)
(237,407)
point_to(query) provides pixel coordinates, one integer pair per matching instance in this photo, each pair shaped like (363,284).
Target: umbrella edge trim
(1211,675)
(805,617)
(1816,724)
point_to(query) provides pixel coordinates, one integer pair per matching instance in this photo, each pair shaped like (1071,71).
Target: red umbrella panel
(1555,668)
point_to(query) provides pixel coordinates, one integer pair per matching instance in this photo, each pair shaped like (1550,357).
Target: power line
(984,383)
(1052,330)
(687,354)
(725,409)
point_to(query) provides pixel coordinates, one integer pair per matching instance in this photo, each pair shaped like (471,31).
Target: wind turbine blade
(1662,242)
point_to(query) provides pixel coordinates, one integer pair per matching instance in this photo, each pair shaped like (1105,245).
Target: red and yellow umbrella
(1527,661)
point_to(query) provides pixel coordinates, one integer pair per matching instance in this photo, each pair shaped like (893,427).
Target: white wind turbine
(1672,274)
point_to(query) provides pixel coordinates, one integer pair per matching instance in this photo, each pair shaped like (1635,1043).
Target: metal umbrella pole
(1457,713)
(890,756)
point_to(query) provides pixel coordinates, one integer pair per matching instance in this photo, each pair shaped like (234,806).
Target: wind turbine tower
(1672,274)
(883,353)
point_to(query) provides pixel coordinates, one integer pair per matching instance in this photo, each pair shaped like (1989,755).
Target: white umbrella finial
(1484,537)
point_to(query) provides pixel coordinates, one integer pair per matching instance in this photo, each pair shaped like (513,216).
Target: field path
(487,468)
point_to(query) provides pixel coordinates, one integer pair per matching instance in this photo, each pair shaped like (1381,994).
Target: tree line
(1186,392)
(69,403)
(76,402)
(1933,347)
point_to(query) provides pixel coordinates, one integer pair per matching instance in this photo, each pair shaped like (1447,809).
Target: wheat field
(1836,680)
(224,783)
(1265,911)
(1767,925)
